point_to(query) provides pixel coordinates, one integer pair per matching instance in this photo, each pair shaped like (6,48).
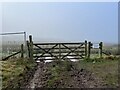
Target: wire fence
(11,43)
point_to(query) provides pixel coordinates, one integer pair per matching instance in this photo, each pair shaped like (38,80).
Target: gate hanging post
(22,51)
(89,48)
(59,52)
(100,47)
(86,48)
(31,47)
(28,49)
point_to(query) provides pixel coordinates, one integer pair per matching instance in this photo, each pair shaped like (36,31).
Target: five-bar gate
(56,51)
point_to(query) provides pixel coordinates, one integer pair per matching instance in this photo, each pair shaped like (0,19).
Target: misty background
(62,21)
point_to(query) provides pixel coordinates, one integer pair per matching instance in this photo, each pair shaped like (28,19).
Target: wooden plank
(61,55)
(57,59)
(43,49)
(11,55)
(75,58)
(47,59)
(46,51)
(55,52)
(39,49)
(56,43)
(67,47)
(71,51)
(60,48)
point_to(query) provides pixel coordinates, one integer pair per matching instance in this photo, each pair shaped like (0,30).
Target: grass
(13,71)
(106,69)
(61,68)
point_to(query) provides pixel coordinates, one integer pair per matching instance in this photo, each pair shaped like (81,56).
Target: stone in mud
(70,85)
(82,70)
(53,65)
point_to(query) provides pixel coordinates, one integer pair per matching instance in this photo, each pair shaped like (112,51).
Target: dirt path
(37,79)
(72,79)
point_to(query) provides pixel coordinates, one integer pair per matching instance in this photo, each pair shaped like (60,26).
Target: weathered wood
(89,49)
(51,51)
(55,58)
(50,55)
(11,55)
(28,49)
(59,51)
(31,47)
(85,48)
(22,51)
(57,48)
(56,52)
(45,51)
(30,38)
(71,51)
(100,47)
(57,43)
(78,47)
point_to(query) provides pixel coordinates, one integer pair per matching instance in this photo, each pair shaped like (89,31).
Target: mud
(75,78)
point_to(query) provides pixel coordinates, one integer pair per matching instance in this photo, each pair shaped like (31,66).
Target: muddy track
(75,78)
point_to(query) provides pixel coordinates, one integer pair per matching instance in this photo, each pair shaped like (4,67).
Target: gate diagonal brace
(71,50)
(48,51)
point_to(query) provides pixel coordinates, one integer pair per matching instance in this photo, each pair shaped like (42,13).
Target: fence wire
(11,43)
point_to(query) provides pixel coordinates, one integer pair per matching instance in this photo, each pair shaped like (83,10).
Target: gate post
(100,47)
(28,49)
(89,49)
(85,48)
(31,47)
(59,52)
(22,51)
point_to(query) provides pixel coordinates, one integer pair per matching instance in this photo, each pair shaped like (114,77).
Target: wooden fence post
(85,48)
(89,49)
(100,47)
(22,51)
(59,52)
(31,47)
(28,49)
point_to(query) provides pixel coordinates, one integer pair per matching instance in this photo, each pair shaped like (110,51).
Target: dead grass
(105,69)
(13,71)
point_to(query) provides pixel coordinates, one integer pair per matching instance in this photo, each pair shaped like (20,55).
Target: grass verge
(106,69)
(14,71)
(59,69)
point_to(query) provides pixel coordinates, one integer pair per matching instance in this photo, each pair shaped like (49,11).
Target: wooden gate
(57,51)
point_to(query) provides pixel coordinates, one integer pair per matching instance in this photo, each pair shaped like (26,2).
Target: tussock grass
(59,68)
(105,69)
(13,71)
